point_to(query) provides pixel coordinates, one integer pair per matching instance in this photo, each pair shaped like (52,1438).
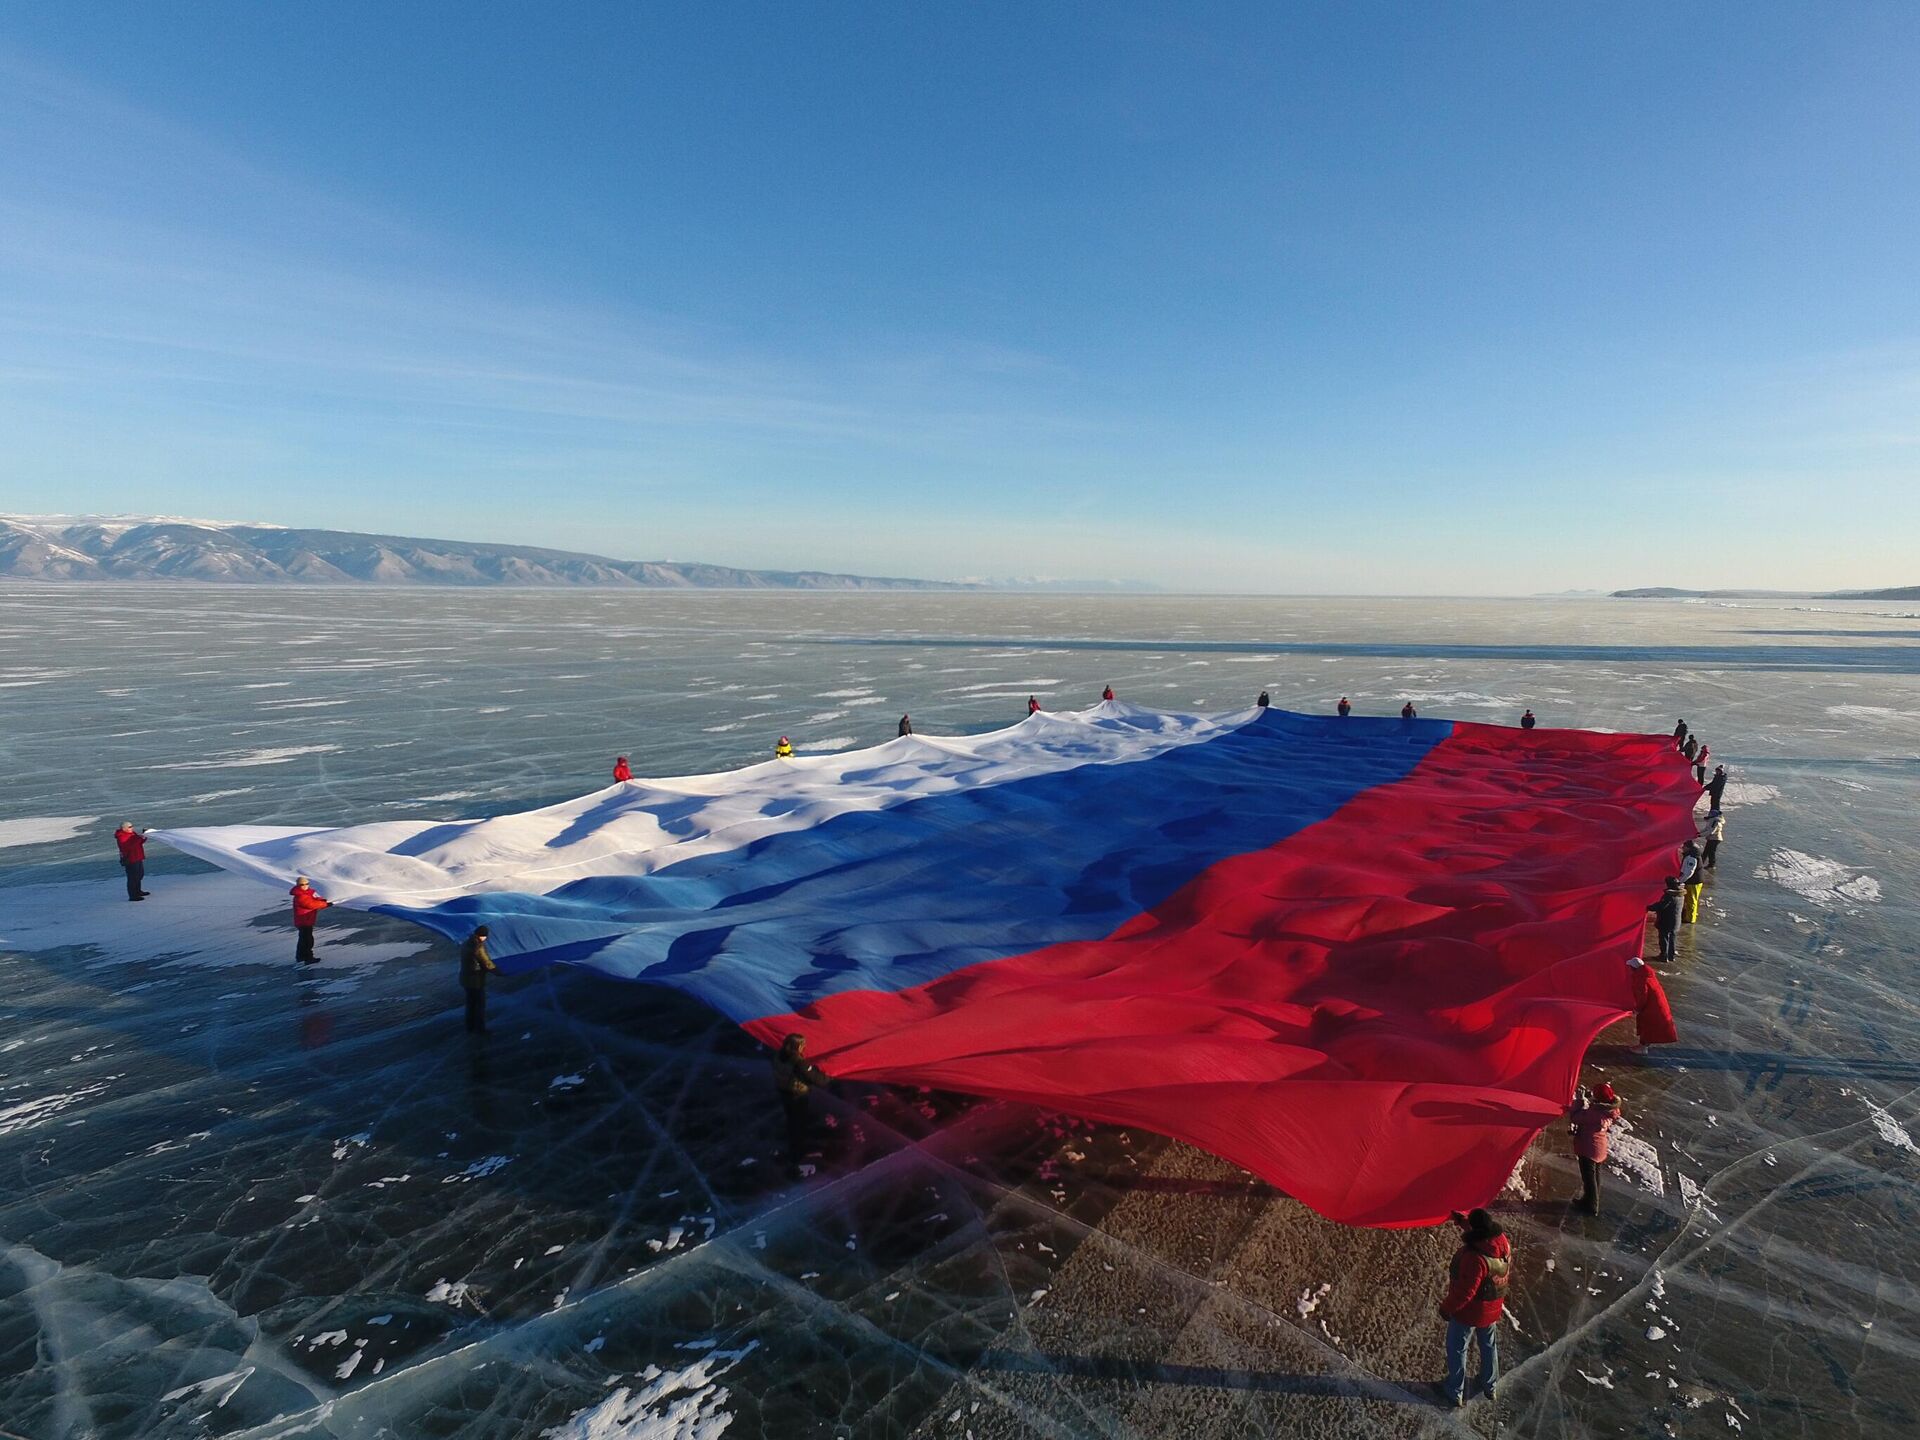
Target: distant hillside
(61,548)
(1667,592)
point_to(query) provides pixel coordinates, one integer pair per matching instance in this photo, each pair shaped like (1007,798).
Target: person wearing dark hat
(1476,1298)
(1679,733)
(622,772)
(1033,706)
(1107,694)
(1344,708)
(906,725)
(1592,1114)
(1264,700)
(1666,918)
(794,1078)
(307,905)
(132,844)
(1716,787)
(475,965)
(1527,722)
(1692,878)
(1407,712)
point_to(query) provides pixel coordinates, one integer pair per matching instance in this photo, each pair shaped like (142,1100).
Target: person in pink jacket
(1592,1115)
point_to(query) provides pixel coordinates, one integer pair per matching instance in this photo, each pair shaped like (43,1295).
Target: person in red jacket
(1592,1114)
(1652,1015)
(1476,1298)
(1107,694)
(1033,706)
(133,858)
(307,905)
(622,772)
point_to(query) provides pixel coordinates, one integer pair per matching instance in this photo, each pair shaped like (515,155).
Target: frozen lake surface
(245,1200)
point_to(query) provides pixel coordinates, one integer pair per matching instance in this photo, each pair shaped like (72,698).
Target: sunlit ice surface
(245,1199)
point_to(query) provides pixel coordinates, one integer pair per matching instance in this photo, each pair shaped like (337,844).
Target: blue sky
(1369,297)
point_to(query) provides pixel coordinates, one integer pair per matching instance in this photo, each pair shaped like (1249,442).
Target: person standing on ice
(475,965)
(1690,747)
(1033,706)
(133,858)
(1716,832)
(1407,712)
(1716,787)
(1344,708)
(1527,722)
(1591,1116)
(622,772)
(794,1078)
(1263,701)
(1700,766)
(1693,877)
(1666,918)
(906,725)
(307,905)
(784,750)
(1652,1015)
(1679,733)
(1107,694)
(1476,1298)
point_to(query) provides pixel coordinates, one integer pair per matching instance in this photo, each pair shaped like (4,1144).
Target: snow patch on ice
(1891,1130)
(479,1169)
(245,759)
(25,1114)
(451,1292)
(217,1388)
(1871,712)
(1636,1159)
(43,829)
(683,1404)
(1825,882)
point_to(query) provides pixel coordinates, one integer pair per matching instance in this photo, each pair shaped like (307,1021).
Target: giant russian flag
(1362,958)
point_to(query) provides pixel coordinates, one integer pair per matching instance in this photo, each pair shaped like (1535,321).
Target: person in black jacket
(1666,918)
(794,1078)
(1679,733)
(1344,708)
(1263,701)
(475,965)
(1527,722)
(1716,787)
(1407,712)
(906,725)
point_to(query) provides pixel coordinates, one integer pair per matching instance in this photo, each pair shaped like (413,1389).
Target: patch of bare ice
(1747,792)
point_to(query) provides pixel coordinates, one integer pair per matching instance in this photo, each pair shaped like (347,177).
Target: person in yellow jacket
(784,750)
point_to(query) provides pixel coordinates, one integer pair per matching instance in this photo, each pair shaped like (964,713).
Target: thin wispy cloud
(97,290)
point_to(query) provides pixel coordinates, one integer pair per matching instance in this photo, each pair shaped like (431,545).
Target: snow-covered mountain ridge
(95,547)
